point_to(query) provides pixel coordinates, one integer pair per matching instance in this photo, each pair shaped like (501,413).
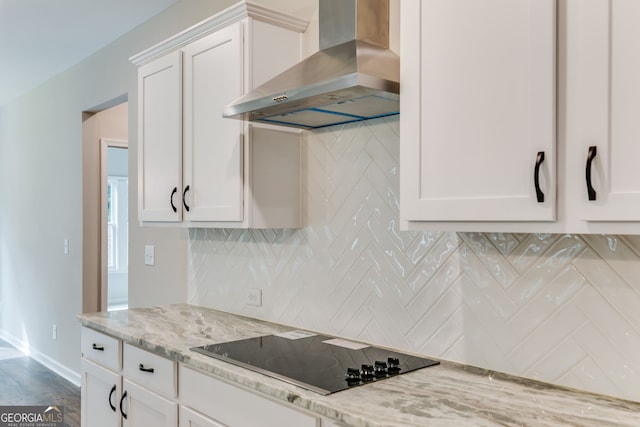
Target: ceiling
(41,38)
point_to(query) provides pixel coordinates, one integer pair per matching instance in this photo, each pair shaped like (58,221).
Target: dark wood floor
(23,381)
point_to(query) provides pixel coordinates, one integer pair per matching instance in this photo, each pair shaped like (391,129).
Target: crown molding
(230,15)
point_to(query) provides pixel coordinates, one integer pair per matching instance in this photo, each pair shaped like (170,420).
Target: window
(116,224)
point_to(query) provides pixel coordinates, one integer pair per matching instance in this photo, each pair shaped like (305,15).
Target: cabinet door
(478,110)
(160,140)
(144,408)
(213,146)
(100,395)
(191,418)
(603,105)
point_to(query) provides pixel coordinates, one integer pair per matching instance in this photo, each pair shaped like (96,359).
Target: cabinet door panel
(213,146)
(100,393)
(605,99)
(143,408)
(484,110)
(159,140)
(191,418)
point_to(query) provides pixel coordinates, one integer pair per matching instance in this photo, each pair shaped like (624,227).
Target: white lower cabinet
(191,418)
(101,379)
(229,405)
(148,389)
(125,386)
(142,407)
(100,394)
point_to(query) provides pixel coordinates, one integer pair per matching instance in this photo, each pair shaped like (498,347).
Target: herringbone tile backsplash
(564,309)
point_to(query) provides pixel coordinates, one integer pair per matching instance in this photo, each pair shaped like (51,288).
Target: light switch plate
(149,255)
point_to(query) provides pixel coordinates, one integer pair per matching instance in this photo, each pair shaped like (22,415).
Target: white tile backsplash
(560,308)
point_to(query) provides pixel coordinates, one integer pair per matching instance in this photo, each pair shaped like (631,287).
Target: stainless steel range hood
(353,77)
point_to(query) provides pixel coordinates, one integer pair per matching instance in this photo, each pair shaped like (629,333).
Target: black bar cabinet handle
(143,369)
(593,152)
(97,347)
(113,390)
(536,177)
(184,200)
(124,395)
(175,190)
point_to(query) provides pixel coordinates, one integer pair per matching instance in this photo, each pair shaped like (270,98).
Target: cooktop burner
(316,362)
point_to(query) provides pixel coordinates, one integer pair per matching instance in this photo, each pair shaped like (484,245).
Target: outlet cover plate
(254,297)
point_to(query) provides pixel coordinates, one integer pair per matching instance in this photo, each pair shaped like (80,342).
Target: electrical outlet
(65,246)
(55,332)
(254,297)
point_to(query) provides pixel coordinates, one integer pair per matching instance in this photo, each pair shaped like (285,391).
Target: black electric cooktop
(316,362)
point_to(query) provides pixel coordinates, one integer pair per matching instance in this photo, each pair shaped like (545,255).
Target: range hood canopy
(353,77)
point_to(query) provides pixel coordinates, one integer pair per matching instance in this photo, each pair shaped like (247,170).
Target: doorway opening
(115,223)
(105,200)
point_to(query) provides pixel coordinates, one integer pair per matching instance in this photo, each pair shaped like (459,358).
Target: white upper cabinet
(195,167)
(480,100)
(213,77)
(603,109)
(159,139)
(478,110)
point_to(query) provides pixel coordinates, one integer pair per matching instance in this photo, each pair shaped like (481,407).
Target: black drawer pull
(536,177)
(173,207)
(184,198)
(593,152)
(113,390)
(124,395)
(143,369)
(97,347)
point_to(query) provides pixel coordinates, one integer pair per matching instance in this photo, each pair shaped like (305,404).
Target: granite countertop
(443,395)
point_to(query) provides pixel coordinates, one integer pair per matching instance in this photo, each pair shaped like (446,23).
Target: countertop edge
(445,394)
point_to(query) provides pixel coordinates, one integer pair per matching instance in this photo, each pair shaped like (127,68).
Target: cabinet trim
(220,20)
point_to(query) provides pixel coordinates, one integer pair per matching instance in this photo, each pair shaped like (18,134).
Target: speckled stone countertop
(444,395)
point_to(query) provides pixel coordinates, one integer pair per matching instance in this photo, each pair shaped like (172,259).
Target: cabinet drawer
(189,418)
(101,348)
(235,407)
(149,370)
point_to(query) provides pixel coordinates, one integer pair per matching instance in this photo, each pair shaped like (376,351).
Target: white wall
(41,184)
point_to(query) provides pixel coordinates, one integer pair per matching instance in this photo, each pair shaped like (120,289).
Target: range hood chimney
(353,77)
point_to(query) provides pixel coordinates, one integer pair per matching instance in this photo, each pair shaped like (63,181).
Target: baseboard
(20,345)
(66,373)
